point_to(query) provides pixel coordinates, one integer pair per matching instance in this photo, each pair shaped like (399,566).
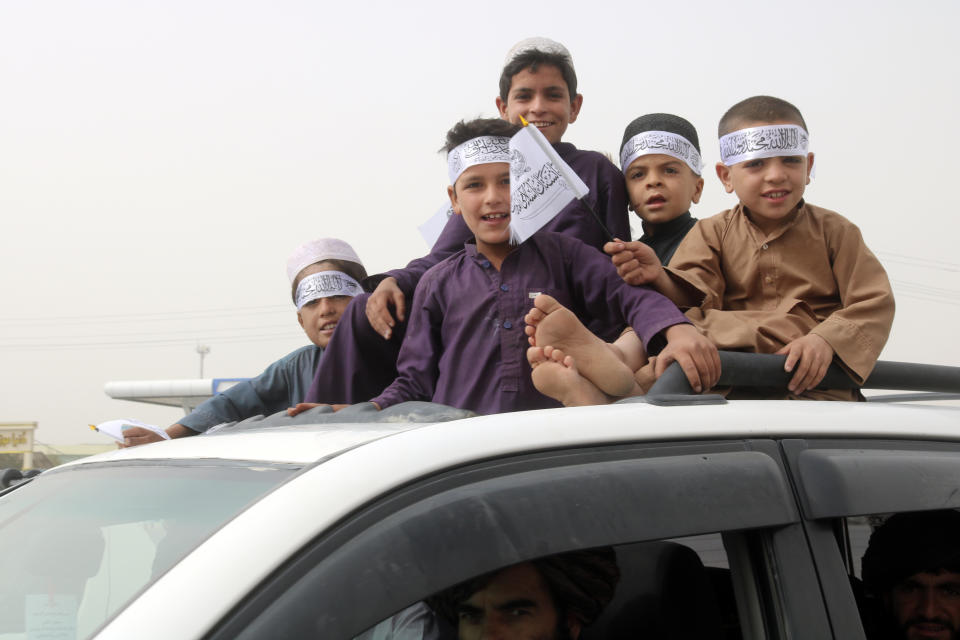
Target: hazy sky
(160,160)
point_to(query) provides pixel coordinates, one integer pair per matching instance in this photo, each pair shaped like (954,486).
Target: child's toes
(534,316)
(546,304)
(535,356)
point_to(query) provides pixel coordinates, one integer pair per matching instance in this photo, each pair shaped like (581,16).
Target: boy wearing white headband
(775,274)
(537,82)
(324,276)
(660,158)
(465,344)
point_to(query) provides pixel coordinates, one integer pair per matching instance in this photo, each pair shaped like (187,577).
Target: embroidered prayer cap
(667,123)
(546,45)
(317,251)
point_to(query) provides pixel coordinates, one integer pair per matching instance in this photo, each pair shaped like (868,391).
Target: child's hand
(386,295)
(636,263)
(134,436)
(814,355)
(697,356)
(306,406)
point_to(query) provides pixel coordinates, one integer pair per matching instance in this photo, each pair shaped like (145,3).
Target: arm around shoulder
(420,352)
(451,240)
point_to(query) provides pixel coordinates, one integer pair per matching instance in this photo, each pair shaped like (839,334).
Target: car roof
(518,432)
(300,444)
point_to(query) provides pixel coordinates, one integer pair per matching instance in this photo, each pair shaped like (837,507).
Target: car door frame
(740,487)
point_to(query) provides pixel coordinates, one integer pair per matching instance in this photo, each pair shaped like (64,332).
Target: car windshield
(78,544)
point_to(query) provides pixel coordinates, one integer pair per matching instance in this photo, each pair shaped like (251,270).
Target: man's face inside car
(927,606)
(514,605)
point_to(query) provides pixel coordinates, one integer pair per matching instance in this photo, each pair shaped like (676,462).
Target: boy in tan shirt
(774,274)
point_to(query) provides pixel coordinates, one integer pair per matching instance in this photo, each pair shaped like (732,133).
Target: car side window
(654,505)
(851,488)
(905,572)
(678,588)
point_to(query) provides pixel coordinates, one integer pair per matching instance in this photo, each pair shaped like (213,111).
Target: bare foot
(535,356)
(555,375)
(550,323)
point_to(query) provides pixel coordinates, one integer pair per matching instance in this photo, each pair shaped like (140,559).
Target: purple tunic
(358,363)
(465,346)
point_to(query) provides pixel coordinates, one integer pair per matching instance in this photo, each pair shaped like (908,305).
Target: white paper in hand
(114,428)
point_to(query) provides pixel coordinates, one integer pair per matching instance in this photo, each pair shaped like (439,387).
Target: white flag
(541,183)
(431,229)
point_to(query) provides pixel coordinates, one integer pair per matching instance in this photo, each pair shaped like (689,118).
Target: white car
(739,519)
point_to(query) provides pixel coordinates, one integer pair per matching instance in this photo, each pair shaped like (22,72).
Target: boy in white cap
(324,276)
(538,83)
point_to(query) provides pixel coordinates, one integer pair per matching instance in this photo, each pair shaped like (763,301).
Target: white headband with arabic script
(481,150)
(662,142)
(769,141)
(325,284)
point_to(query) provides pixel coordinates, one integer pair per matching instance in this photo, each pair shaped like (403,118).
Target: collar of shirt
(565,149)
(670,227)
(788,223)
(470,246)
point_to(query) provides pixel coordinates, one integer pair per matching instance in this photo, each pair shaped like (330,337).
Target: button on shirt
(465,344)
(813,274)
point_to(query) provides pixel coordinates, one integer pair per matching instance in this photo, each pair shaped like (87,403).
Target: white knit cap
(545,45)
(317,251)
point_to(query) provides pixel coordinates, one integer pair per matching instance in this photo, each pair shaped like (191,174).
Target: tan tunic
(758,291)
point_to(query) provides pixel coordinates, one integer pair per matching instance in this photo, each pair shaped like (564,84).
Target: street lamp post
(203,350)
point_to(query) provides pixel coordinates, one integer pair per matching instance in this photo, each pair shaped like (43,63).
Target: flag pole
(561,167)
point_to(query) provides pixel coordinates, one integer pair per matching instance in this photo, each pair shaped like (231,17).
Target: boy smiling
(324,276)
(775,274)
(769,189)
(485,210)
(538,81)
(465,344)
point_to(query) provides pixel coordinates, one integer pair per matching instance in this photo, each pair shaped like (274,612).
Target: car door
(847,485)
(728,502)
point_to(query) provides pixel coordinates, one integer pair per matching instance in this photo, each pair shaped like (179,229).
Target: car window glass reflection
(84,542)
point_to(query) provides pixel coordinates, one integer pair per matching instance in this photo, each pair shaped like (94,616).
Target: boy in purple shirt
(465,345)
(539,83)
